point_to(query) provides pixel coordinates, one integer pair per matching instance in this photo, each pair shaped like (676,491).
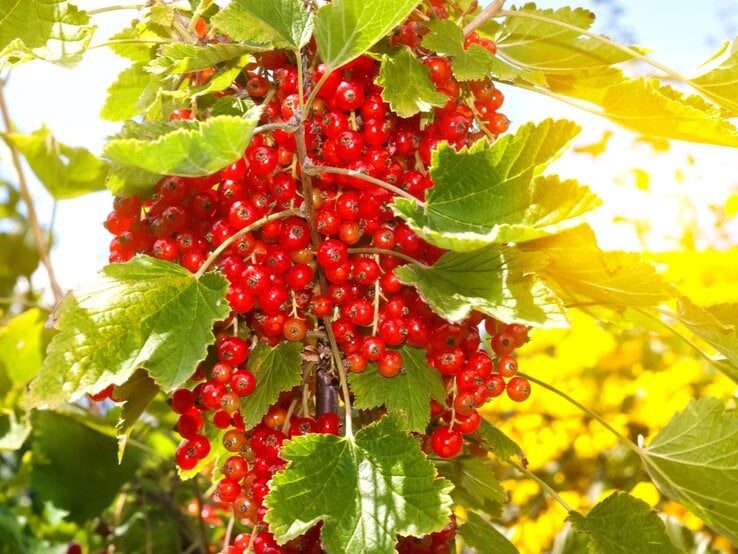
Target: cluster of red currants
(303,230)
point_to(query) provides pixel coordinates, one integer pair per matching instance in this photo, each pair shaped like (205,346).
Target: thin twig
(594,415)
(541,483)
(38,233)
(233,238)
(341,375)
(229,531)
(385,252)
(318,169)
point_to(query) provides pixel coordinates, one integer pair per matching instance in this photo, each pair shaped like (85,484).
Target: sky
(69,101)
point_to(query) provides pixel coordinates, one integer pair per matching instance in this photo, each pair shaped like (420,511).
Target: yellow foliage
(647,492)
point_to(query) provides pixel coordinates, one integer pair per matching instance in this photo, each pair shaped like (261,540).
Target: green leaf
(406,84)
(65,171)
(131,94)
(623,524)
(135,394)
(161,14)
(647,107)
(74,466)
(14,430)
(345,29)
(9,198)
(407,395)
(128,181)
(51,30)
(475,484)
(488,194)
(144,313)
(11,535)
(584,275)
(21,345)
(190,149)
(483,537)
(276,370)
(366,490)
(497,281)
(717,325)
(468,64)
(545,45)
(694,461)
(18,255)
(499,443)
(144,30)
(271,23)
(719,76)
(180,57)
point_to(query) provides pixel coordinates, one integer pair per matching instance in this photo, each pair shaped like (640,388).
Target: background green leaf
(582,274)
(475,484)
(52,30)
(623,524)
(132,93)
(65,171)
(143,313)
(717,325)
(545,45)
(694,461)
(22,345)
(498,442)
(366,490)
(719,77)
(483,537)
(75,466)
(407,394)
(650,108)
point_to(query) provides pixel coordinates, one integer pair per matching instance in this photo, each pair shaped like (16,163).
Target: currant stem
(288,415)
(678,334)
(118,7)
(491,11)
(313,94)
(342,376)
(227,537)
(269,127)
(38,233)
(625,440)
(317,170)
(541,483)
(131,41)
(300,83)
(233,238)
(385,252)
